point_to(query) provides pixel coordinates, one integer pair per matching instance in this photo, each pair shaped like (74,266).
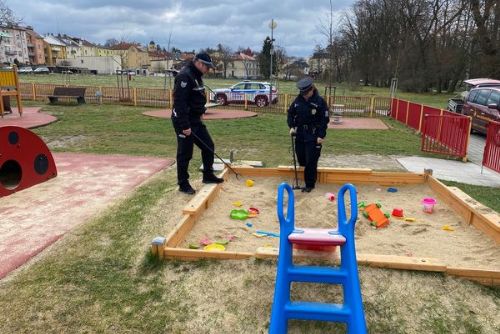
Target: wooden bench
(69,92)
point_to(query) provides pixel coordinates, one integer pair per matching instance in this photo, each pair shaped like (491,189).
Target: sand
(465,246)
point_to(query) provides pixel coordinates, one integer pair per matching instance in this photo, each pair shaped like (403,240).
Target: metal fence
(442,131)
(491,155)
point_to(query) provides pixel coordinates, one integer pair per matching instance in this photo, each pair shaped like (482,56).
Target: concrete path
(476,148)
(451,170)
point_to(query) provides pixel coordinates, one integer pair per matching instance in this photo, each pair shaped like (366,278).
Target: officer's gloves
(293,131)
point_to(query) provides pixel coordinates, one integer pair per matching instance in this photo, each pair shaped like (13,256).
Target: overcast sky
(194,24)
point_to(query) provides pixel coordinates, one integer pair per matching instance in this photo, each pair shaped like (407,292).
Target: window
(239,86)
(482,97)
(494,98)
(472,95)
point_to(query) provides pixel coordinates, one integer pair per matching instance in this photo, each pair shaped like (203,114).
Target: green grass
(489,196)
(101,277)
(122,129)
(288,87)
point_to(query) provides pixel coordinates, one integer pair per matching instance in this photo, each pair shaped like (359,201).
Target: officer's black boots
(211,178)
(307,189)
(186,188)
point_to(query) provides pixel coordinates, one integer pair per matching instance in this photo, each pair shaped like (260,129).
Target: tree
(111,42)
(326,29)
(265,59)
(486,14)
(7,17)
(224,56)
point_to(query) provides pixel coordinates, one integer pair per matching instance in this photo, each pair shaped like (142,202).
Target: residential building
(243,66)
(13,45)
(73,49)
(36,53)
(104,51)
(54,49)
(98,65)
(88,49)
(132,55)
(160,61)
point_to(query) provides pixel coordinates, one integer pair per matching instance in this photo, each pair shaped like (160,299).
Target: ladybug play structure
(9,86)
(25,160)
(283,309)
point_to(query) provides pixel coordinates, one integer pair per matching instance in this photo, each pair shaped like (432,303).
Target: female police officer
(189,106)
(308,119)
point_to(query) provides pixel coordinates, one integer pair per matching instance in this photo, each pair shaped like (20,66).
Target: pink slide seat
(318,239)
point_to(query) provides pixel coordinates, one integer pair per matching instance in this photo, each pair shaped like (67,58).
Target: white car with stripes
(260,93)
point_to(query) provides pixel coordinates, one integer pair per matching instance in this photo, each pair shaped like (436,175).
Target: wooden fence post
(135,96)
(397,110)
(33,91)
(286,104)
(246,102)
(372,105)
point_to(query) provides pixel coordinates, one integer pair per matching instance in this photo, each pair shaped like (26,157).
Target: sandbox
(460,237)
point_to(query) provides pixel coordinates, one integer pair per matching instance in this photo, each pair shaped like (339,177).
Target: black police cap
(205,59)
(305,84)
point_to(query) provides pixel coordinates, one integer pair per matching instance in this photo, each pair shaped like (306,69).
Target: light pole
(273,26)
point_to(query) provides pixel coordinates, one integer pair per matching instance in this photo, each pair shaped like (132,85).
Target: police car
(259,93)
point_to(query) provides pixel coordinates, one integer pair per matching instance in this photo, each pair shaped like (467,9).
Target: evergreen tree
(265,59)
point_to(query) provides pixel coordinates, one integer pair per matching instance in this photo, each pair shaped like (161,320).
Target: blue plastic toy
(351,312)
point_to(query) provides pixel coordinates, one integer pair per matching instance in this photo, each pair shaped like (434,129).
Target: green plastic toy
(240,214)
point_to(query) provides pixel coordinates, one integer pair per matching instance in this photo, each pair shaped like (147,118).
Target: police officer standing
(308,119)
(189,106)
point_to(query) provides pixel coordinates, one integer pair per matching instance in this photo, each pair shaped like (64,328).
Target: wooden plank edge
(401,262)
(471,215)
(181,229)
(483,276)
(196,254)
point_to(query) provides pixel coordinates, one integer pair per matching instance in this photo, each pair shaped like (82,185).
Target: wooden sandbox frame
(469,209)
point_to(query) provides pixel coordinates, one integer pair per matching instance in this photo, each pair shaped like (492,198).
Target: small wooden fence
(352,106)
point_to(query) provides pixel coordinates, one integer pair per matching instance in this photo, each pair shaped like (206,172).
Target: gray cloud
(194,24)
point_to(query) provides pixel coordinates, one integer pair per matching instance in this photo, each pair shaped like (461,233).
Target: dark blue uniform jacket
(310,117)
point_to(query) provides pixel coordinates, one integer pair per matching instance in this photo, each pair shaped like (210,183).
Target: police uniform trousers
(308,153)
(185,150)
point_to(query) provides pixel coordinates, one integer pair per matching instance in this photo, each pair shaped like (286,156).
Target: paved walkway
(32,118)
(476,148)
(34,218)
(210,114)
(451,170)
(361,123)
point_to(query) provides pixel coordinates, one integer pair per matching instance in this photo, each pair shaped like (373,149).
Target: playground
(421,237)
(83,238)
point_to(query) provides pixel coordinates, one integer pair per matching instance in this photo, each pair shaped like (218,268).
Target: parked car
(456,103)
(41,70)
(25,70)
(260,93)
(483,105)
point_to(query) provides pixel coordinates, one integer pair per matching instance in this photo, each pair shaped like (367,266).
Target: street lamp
(273,26)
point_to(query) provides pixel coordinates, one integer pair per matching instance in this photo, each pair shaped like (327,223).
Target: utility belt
(307,128)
